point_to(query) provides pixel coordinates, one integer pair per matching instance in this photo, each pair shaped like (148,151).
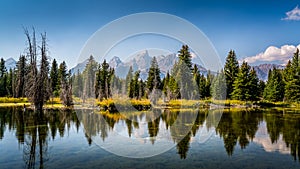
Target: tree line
(38,81)
(32,77)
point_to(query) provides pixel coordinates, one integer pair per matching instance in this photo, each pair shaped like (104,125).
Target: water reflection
(34,129)
(275,130)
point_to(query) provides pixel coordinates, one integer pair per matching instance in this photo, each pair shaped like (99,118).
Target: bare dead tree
(37,88)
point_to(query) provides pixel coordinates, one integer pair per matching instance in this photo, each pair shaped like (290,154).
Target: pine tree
(78,84)
(183,75)
(10,83)
(274,90)
(153,80)
(202,87)
(253,86)
(209,79)
(231,69)
(89,75)
(292,73)
(154,84)
(261,88)
(20,77)
(128,79)
(241,90)
(196,75)
(54,79)
(185,56)
(174,88)
(104,77)
(3,78)
(65,85)
(134,86)
(218,87)
(62,72)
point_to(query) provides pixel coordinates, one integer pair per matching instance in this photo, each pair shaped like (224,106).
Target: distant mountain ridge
(10,63)
(142,61)
(262,70)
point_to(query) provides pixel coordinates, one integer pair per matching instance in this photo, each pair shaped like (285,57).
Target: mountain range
(142,61)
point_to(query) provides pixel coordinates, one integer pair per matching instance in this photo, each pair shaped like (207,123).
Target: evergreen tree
(196,75)
(182,73)
(66,85)
(185,56)
(202,87)
(218,87)
(154,83)
(134,86)
(78,84)
(253,86)
(89,75)
(241,85)
(292,73)
(3,78)
(153,80)
(20,77)
(10,83)
(274,90)
(104,77)
(54,79)
(261,88)
(231,69)
(166,86)
(128,79)
(209,79)
(173,88)
(62,73)
(142,87)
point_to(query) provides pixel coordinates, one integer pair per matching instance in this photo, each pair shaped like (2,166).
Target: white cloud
(293,14)
(274,54)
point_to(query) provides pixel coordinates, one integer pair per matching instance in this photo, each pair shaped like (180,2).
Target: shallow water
(156,139)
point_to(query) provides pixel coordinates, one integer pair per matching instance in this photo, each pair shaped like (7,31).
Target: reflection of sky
(262,137)
(142,133)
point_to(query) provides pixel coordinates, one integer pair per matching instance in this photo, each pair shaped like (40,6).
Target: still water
(156,139)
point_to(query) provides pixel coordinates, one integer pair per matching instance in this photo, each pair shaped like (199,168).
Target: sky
(259,31)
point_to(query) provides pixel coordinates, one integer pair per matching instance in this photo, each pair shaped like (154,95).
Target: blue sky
(248,27)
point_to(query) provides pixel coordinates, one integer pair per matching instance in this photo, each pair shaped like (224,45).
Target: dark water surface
(165,138)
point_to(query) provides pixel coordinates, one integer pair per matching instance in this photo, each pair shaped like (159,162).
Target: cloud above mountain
(274,54)
(293,14)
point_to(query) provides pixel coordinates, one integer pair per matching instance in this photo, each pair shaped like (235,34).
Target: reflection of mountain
(262,137)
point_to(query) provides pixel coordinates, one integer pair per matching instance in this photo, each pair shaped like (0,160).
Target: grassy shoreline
(124,104)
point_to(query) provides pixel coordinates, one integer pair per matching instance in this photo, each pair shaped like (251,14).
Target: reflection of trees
(274,125)
(32,131)
(279,122)
(238,127)
(94,123)
(182,126)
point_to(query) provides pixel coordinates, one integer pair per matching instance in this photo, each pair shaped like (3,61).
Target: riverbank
(124,104)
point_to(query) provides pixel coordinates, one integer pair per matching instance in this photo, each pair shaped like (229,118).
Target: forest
(38,80)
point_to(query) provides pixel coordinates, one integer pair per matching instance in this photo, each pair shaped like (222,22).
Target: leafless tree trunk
(37,80)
